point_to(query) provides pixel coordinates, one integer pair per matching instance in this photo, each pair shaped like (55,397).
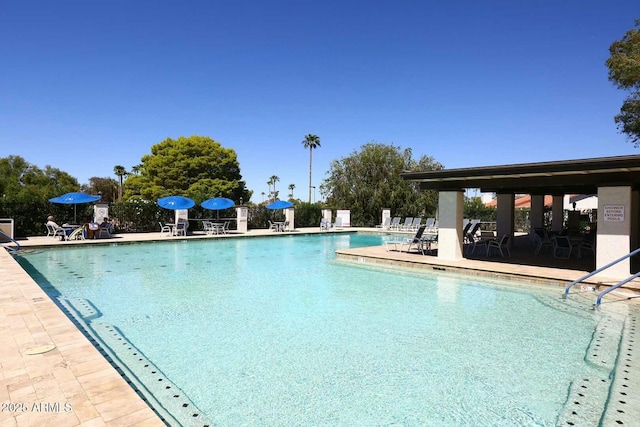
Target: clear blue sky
(87,85)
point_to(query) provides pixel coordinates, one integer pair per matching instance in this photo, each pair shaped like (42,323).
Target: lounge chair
(407,224)
(338,224)
(471,237)
(77,234)
(415,241)
(386,224)
(395,223)
(416,224)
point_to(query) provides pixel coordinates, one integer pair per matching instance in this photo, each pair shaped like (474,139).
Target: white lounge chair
(395,223)
(386,224)
(407,224)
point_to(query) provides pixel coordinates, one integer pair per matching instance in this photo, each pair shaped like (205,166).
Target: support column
(327,215)
(614,230)
(557,213)
(242,215)
(386,213)
(289,215)
(537,211)
(505,215)
(450,239)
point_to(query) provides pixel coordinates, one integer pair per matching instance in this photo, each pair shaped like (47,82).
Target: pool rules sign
(614,213)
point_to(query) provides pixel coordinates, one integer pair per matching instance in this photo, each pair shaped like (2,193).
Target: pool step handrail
(612,263)
(606,291)
(10,249)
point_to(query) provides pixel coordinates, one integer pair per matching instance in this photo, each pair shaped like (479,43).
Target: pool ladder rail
(599,270)
(9,248)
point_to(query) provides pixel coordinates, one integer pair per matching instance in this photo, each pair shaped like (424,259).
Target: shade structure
(74,199)
(176,202)
(279,204)
(217,203)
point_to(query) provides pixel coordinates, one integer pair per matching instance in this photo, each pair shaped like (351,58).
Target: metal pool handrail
(16,249)
(606,291)
(630,254)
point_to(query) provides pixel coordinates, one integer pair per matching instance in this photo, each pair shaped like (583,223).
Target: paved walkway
(50,374)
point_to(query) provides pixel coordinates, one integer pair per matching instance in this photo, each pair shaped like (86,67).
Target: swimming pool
(273,331)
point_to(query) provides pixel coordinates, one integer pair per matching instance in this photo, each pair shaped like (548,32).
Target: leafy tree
(311,142)
(25,190)
(369,180)
(120,172)
(195,166)
(107,187)
(624,72)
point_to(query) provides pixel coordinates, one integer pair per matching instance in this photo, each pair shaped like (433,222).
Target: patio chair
(325,225)
(55,232)
(273,227)
(181,228)
(501,245)
(563,247)
(164,229)
(541,239)
(485,238)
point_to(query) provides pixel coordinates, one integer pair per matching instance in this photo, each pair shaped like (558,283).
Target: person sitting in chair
(106,224)
(52,223)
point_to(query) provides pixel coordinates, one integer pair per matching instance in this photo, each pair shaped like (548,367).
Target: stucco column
(386,213)
(505,215)
(536,215)
(557,213)
(614,230)
(242,215)
(289,215)
(326,214)
(450,239)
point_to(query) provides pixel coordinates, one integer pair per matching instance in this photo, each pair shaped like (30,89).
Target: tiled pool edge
(72,385)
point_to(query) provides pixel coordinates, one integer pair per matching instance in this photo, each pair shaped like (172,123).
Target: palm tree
(274,179)
(291,187)
(311,141)
(262,196)
(119,171)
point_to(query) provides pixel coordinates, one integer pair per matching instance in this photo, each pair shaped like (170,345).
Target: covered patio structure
(615,180)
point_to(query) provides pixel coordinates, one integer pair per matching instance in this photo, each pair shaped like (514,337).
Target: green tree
(195,166)
(311,142)
(120,172)
(25,190)
(106,187)
(624,72)
(291,187)
(369,180)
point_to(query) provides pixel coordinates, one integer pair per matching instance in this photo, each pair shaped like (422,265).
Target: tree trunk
(310,158)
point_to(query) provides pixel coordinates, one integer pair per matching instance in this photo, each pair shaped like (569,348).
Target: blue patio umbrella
(217,204)
(74,199)
(279,204)
(176,202)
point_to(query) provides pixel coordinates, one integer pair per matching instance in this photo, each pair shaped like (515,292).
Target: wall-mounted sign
(614,213)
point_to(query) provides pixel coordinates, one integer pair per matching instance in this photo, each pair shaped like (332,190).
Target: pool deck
(72,384)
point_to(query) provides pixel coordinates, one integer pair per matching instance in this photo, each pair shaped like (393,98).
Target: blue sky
(85,86)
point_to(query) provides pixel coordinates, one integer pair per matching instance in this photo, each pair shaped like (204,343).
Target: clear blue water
(274,331)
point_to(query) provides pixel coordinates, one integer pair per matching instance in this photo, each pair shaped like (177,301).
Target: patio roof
(582,176)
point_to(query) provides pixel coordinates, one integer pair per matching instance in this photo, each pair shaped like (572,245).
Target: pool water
(275,331)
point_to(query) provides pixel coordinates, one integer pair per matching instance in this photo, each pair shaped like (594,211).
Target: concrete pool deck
(74,385)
